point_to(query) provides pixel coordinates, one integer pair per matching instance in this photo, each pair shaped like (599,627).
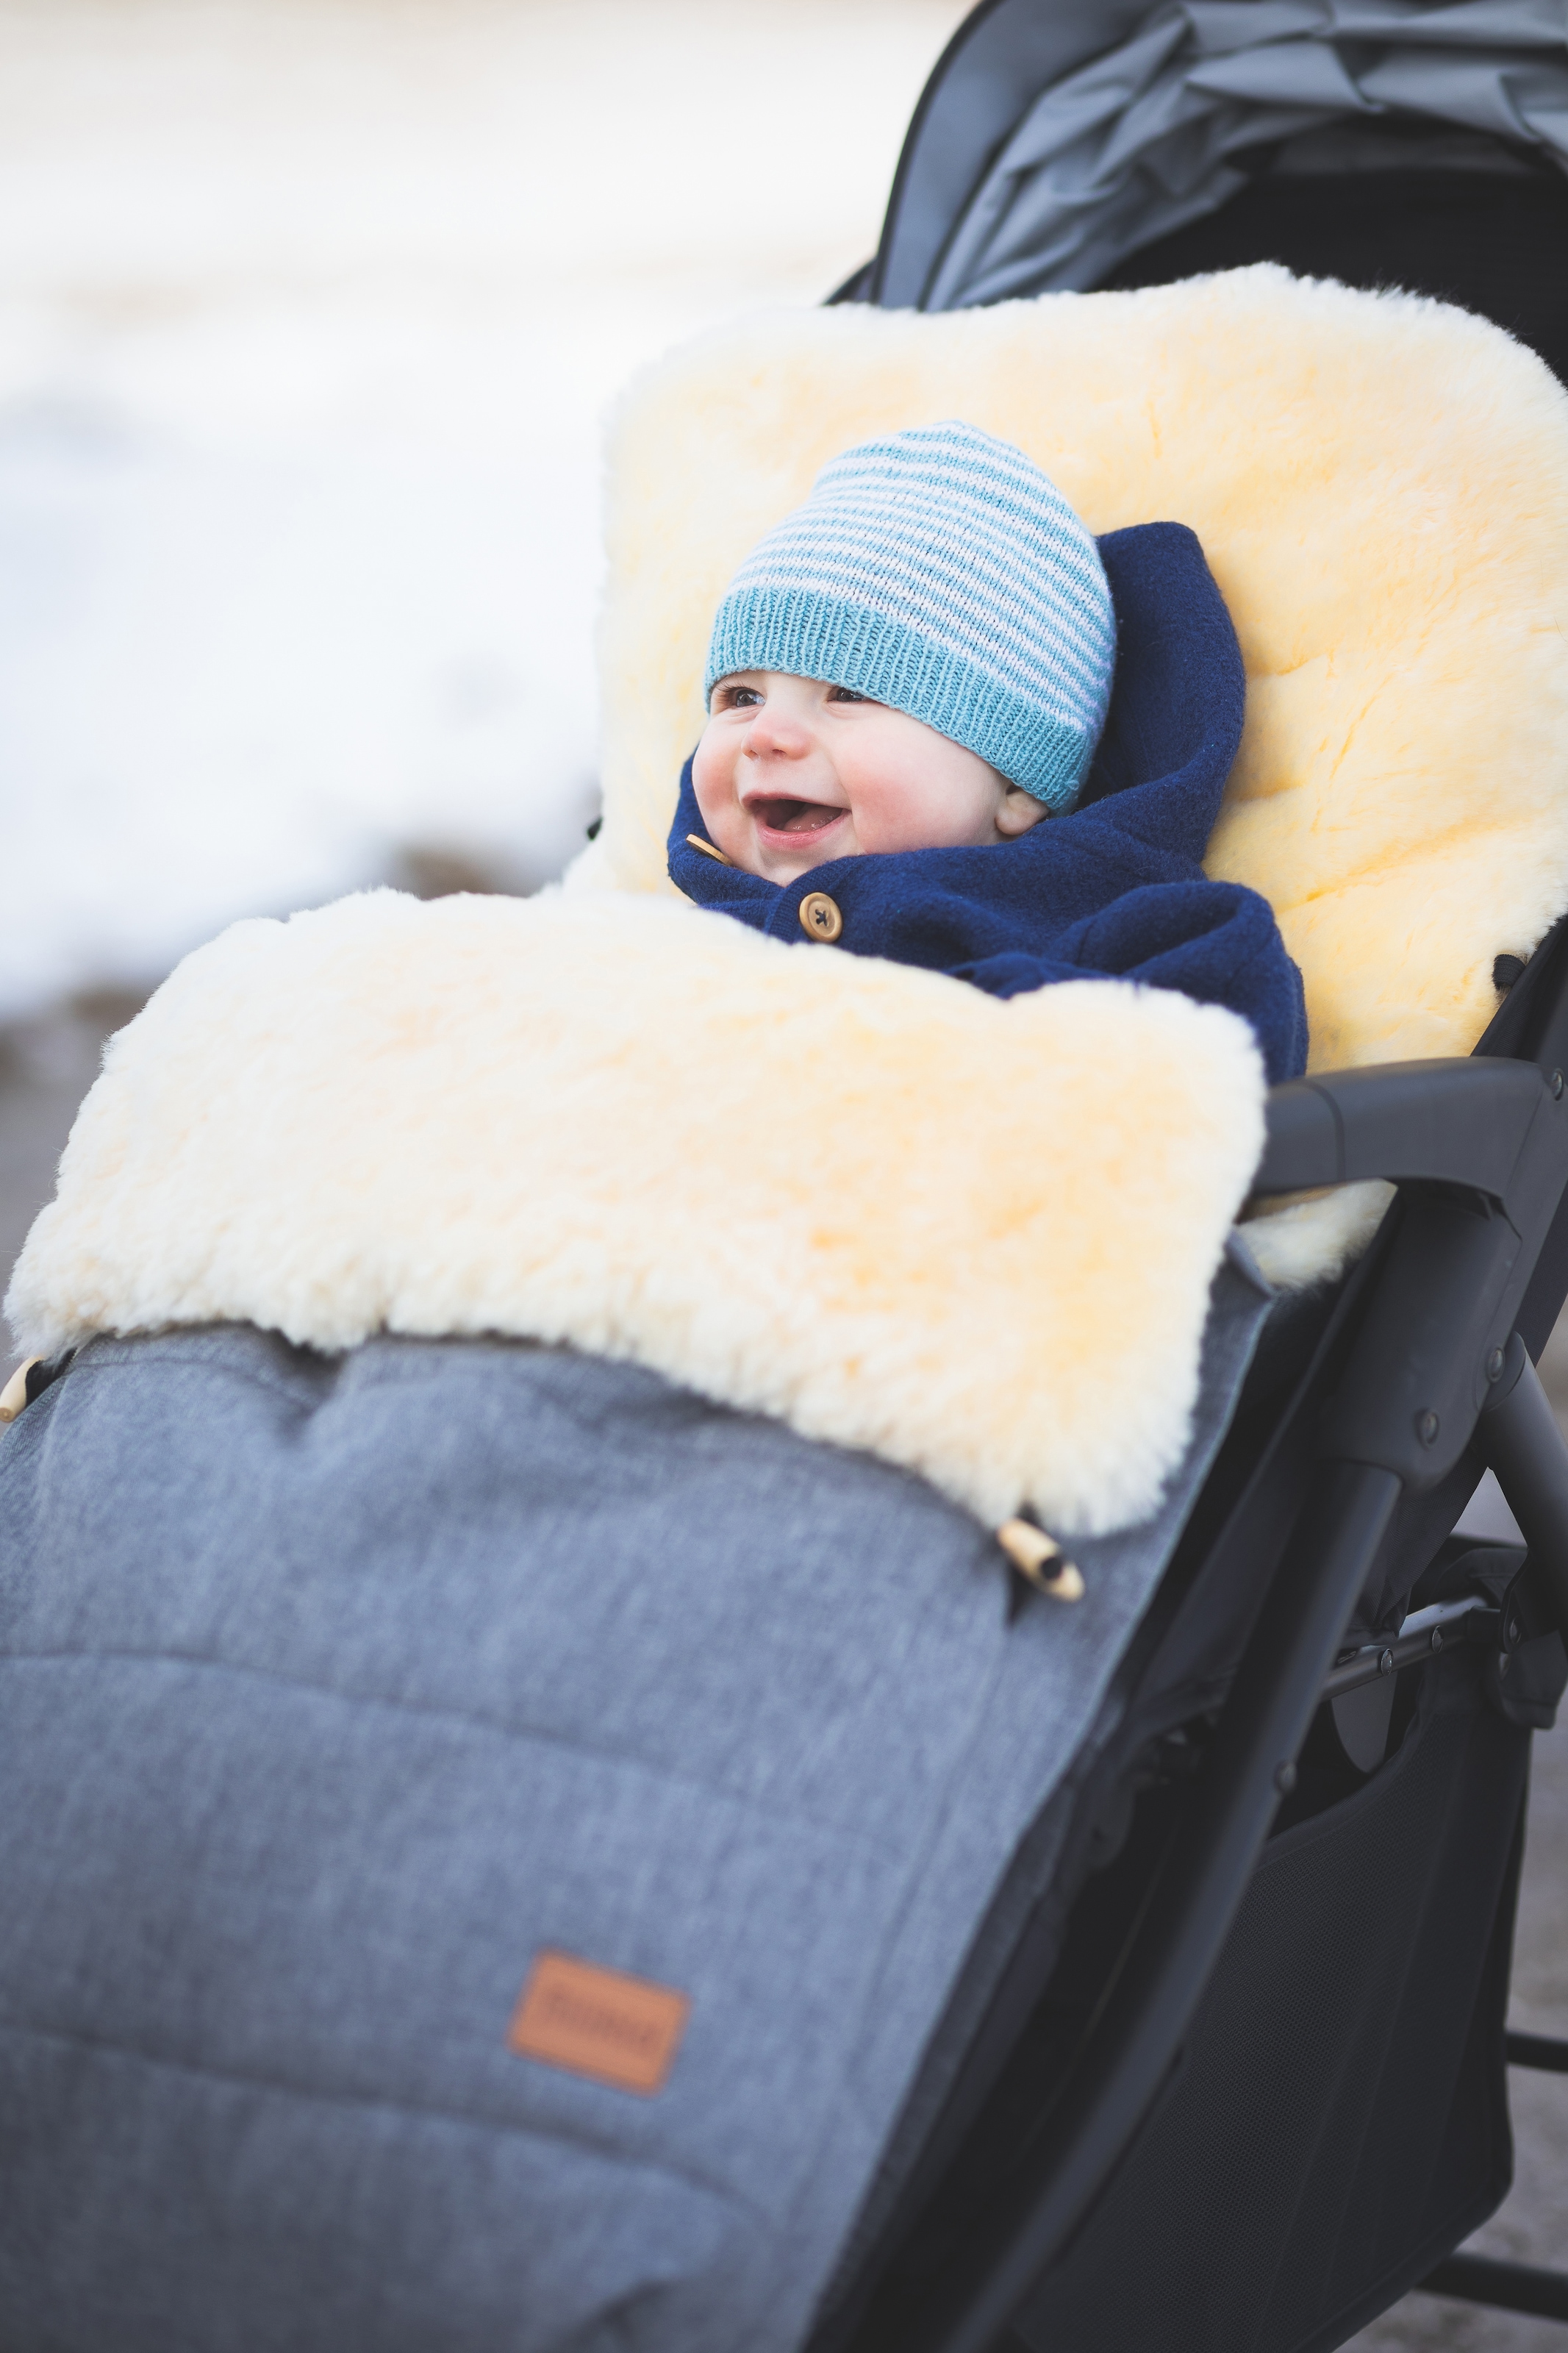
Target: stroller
(1129,1970)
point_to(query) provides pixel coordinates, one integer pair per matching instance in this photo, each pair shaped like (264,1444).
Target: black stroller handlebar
(1480,1148)
(1461,1121)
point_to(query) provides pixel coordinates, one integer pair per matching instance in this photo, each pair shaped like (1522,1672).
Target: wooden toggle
(1031,1552)
(14,1396)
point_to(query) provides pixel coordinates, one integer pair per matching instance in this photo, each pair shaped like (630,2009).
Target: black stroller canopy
(1071,146)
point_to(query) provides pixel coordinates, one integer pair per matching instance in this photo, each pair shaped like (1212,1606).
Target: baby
(912,672)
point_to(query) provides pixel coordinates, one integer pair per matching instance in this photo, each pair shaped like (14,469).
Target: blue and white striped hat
(940,572)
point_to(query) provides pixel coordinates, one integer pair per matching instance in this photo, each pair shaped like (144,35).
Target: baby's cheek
(901,807)
(713,782)
(883,816)
(709,780)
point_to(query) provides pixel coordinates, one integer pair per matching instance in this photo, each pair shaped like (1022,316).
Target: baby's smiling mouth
(781,815)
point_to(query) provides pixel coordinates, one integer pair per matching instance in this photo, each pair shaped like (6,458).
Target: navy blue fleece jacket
(1117,887)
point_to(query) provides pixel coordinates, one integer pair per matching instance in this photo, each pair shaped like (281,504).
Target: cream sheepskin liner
(1379,483)
(976,1238)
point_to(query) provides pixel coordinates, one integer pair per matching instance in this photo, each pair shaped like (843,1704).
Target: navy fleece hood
(1116,887)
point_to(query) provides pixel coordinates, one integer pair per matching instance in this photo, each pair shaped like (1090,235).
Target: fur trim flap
(974,1236)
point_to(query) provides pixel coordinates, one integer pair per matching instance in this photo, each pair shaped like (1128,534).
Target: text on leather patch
(620,2030)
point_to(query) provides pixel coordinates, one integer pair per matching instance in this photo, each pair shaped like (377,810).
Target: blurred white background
(311,312)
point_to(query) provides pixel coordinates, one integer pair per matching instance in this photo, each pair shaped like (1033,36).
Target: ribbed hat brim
(809,633)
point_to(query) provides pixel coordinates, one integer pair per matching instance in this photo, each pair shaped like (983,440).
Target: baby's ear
(1019,810)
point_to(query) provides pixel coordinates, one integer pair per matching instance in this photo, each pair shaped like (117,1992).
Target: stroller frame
(1422,1377)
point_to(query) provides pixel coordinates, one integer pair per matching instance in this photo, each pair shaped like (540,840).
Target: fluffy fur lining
(976,1238)
(1380,484)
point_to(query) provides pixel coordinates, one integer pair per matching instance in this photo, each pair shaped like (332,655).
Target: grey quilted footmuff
(334,1692)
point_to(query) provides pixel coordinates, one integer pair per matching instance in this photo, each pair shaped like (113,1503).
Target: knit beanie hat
(940,572)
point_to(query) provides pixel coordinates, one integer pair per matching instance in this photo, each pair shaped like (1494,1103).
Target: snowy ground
(310,314)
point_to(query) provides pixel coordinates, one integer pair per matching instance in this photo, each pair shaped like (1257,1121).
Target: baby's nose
(772,734)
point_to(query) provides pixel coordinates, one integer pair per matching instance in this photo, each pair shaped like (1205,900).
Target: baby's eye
(737,698)
(847,694)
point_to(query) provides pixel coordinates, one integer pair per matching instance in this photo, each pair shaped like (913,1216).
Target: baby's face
(791,772)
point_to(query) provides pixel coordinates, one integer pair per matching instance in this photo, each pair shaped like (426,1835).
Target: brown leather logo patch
(619,2029)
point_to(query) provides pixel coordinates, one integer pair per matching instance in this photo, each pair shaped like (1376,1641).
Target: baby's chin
(790,869)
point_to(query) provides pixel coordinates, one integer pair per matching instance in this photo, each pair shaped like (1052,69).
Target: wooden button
(819,916)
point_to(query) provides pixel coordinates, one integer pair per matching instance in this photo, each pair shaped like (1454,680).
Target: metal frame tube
(1505,2288)
(1140,2028)
(1518,1435)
